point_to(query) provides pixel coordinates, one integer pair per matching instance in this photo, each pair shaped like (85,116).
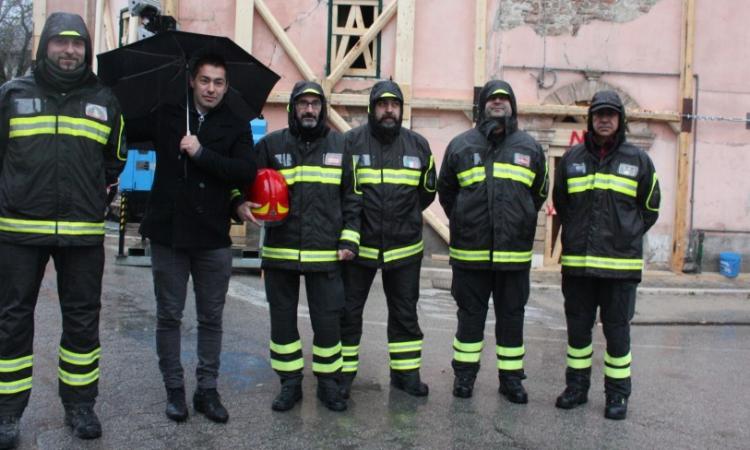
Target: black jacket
(396,174)
(58,152)
(491,188)
(605,204)
(323,205)
(192,199)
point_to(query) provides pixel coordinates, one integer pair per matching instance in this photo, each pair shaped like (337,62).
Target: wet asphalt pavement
(690,382)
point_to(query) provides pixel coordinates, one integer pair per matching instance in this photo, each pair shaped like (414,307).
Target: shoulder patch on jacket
(628,170)
(577,169)
(27,105)
(98,112)
(412,162)
(521,159)
(332,159)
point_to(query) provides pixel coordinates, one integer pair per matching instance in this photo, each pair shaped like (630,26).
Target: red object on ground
(270,192)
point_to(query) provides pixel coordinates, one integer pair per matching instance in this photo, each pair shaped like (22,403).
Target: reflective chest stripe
(65,125)
(471,176)
(513,172)
(409,177)
(601,262)
(51,227)
(312,174)
(603,181)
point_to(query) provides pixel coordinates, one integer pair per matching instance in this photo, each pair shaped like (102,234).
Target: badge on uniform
(628,170)
(577,169)
(477,159)
(27,105)
(362,160)
(521,159)
(98,112)
(284,159)
(332,159)
(412,162)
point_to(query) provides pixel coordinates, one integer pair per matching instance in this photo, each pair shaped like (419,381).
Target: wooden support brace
(243,24)
(283,38)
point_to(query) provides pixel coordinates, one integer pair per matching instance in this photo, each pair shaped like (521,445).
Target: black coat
(192,199)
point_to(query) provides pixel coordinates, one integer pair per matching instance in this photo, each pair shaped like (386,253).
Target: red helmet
(270,192)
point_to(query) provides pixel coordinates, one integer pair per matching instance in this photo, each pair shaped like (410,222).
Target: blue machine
(138,174)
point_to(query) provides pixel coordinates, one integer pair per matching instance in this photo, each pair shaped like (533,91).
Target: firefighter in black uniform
(395,172)
(493,180)
(60,146)
(322,228)
(607,196)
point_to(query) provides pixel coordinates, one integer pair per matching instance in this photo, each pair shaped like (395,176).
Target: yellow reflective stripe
(510,364)
(581,352)
(350,366)
(74,379)
(543,187)
(405,364)
(403,252)
(350,350)
(603,181)
(317,256)
(510,352)
(469,255)
(119,140)
(599,262)
(14,365)
(286,349)
(80,359)
(424,178)
(408,177)
(471,176)
(83,128)
(69,33)
(575,363)
(368,252)
(14,387)
(350,235)
(513,172)
(511,257)
(234,194)
(467,346)
(654,180)
(312,174)
(619,362)
(466,357)
(329,367)
(369,176)
(326,352)
(355,174)
(29,126)
(617,373)
(51,227)
(403,347)
(287,366)
(280,253)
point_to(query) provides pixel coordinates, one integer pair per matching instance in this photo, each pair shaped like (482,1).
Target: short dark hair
(211,60)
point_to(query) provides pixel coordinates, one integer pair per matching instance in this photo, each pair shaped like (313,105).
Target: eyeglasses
(303,105)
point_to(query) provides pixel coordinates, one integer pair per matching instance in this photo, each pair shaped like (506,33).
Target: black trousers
(401,286)
(472,289)
(79,287)
(325,298)
(616,302)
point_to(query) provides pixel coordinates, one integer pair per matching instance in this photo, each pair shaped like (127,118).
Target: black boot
(176,406)
(577,383)
(9,432)
(617,406)
(511,386)
(329,393)
(409,382)
(291,393)
(208,403)
(83,421)
(463,385)
(345,383)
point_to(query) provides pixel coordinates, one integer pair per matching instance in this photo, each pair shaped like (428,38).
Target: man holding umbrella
(187,221)
(60,142)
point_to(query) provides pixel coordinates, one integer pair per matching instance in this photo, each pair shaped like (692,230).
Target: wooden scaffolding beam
(243,24)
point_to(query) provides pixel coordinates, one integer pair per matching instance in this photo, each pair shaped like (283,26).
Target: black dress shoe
(616,407)
(409,382)
(571,397)
(9,432)
(208,403)
(463,386)
(176,406)
(83,421)
(329,393)
(291,393)
(512,389)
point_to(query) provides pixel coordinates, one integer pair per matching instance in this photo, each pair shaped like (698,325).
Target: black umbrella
(155,70)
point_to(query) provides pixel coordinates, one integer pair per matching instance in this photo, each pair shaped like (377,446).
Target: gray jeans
(210,270)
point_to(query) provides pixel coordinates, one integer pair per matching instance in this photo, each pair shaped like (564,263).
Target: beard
(308,122)
(388,122)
